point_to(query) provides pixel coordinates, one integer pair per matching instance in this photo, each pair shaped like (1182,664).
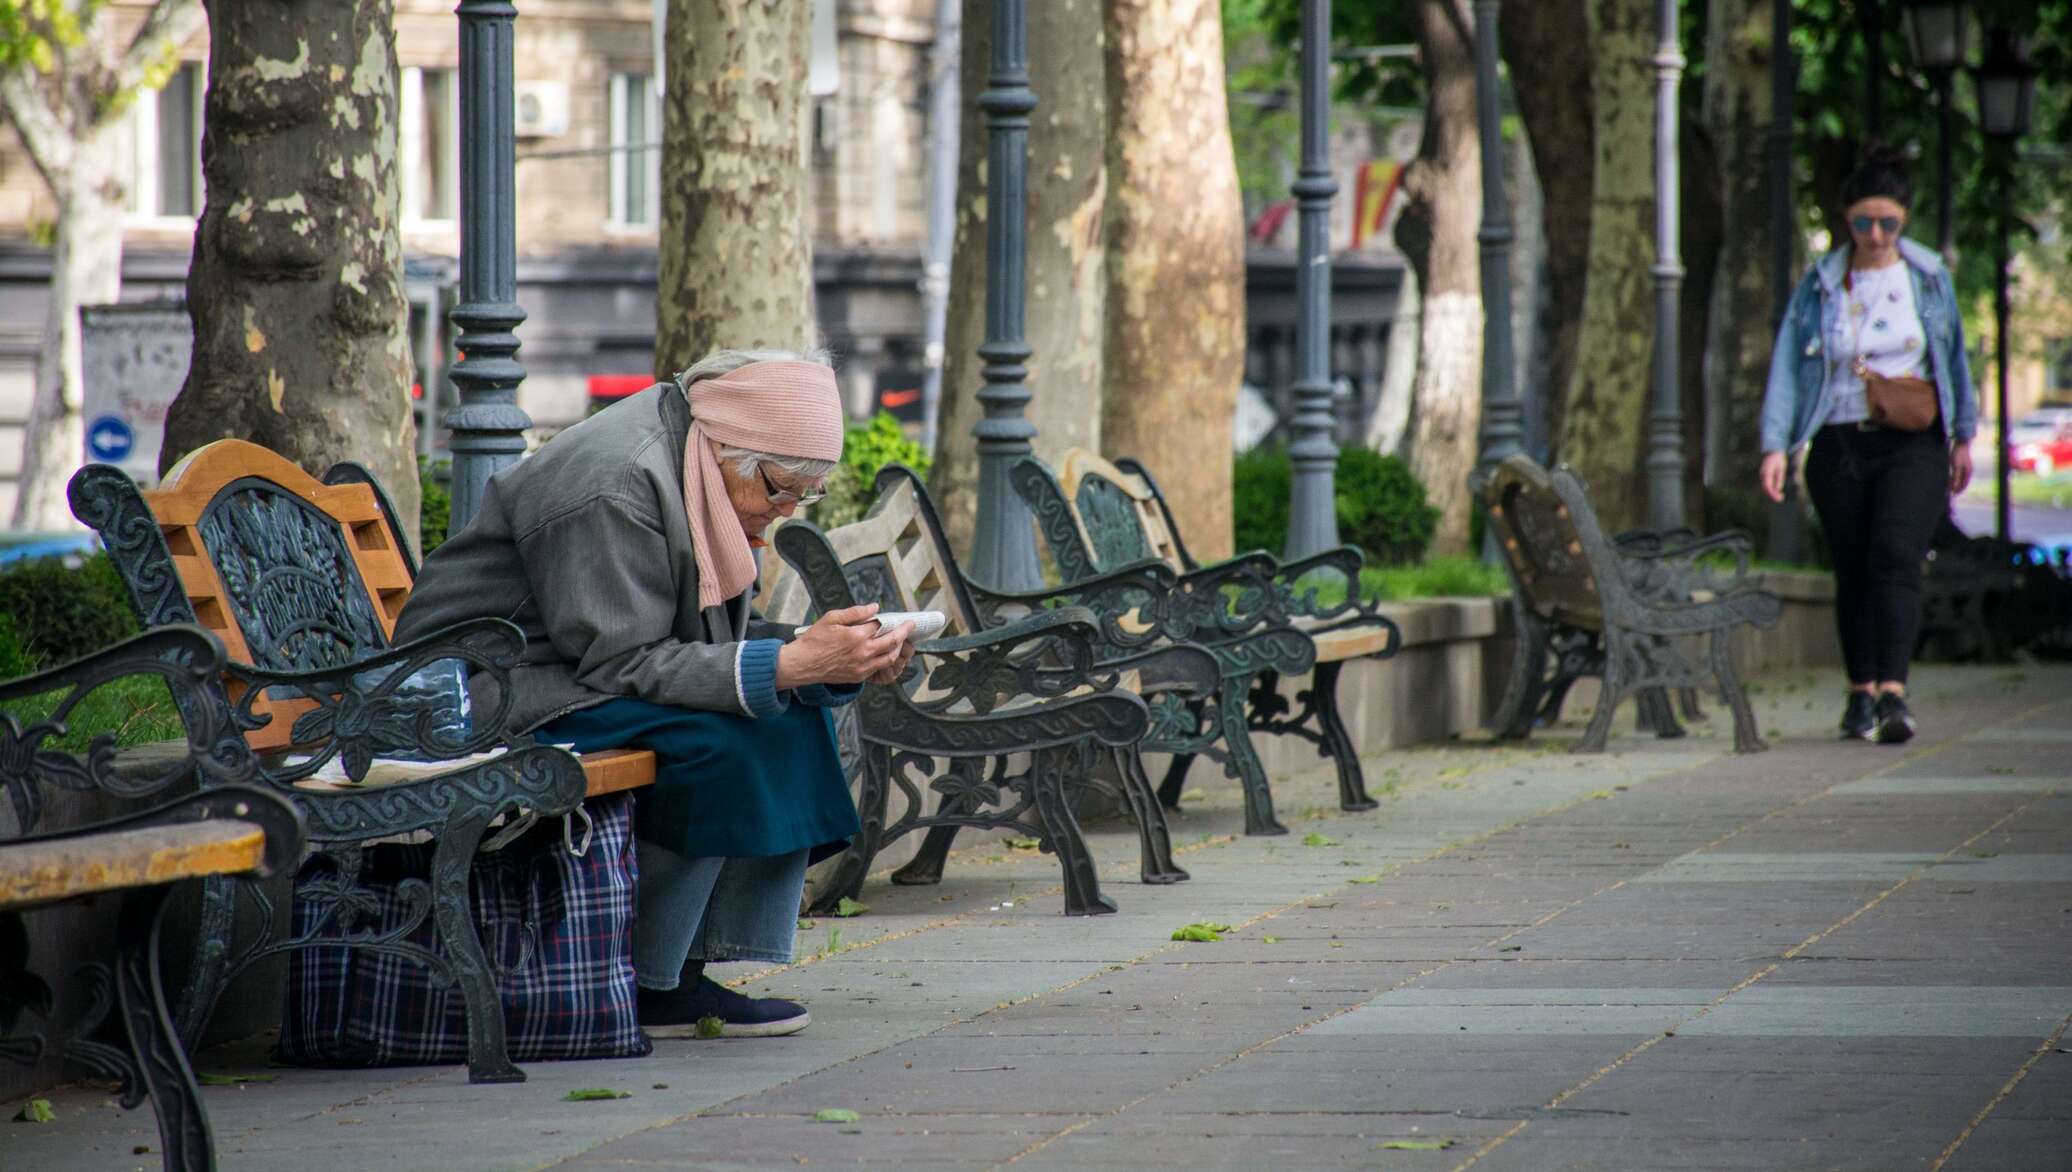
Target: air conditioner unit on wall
(541,109)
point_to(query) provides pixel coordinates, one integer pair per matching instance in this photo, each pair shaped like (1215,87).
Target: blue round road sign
(109,438)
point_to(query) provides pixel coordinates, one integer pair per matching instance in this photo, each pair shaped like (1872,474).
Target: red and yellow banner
(1374,190)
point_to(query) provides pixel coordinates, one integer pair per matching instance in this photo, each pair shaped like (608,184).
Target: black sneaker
(1895,723)
(675,1013)
(1860,718)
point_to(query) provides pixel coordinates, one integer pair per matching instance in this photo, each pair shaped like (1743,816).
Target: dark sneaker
(1860,718)
(1895,723)
(675,1013)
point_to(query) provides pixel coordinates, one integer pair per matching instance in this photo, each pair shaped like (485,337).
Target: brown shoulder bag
(1902,404)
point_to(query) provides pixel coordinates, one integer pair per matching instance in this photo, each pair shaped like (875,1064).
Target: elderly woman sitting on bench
(624,550)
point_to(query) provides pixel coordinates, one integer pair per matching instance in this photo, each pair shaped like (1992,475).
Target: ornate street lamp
(488,426)
(1502,413)
(1313,507)
(1939,31)
(2006,96)
(1665,422)
(1003,545)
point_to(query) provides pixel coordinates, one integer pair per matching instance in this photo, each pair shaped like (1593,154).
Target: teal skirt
(725,785)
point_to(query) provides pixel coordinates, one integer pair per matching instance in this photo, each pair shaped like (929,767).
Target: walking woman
(1870,369)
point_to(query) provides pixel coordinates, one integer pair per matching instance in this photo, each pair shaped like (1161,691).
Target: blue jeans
(712,909)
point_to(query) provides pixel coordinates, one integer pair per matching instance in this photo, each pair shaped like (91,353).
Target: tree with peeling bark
(301,338)
(1740,324)
(1067,299)
(736,262)
(65,83)
(1589,103)
(1437,233)
(1175,346)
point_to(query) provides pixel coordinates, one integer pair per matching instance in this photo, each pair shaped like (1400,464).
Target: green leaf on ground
(1364,879)
(1024,844)
(36,1111)
(835,1115)
(807,925)
(1315,839)
(588,1094)
(711,1027)
(1416,1145)
(1193,795)
(1271,939)
(1201,932)
(231,1080)
(846,907)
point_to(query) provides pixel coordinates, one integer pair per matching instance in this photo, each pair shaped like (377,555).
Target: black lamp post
(1938,31)
(2006,95)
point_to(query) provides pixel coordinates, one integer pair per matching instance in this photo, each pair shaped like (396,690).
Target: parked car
(2041,441)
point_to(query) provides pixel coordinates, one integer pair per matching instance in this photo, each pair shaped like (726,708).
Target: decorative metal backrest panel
(895,556)
(1118,512)
(290,573)
(1538,533)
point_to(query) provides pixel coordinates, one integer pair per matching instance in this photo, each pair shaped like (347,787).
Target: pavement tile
(933,1139)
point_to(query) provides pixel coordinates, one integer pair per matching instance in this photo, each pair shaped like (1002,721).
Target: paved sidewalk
(1826,956)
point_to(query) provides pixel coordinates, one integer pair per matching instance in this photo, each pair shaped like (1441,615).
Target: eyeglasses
(1890,225)
(781,497)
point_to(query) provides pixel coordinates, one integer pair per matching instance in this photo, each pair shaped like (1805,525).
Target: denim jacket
(1800,364)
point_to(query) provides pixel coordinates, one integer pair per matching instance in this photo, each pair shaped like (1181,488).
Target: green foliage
(1449,577)
(1202,932)
(1381,506)
(1749,509)
(594,1094)
(835,1115)
(61,612)
(866,447)
(435,504)
(15,660)
(36,32)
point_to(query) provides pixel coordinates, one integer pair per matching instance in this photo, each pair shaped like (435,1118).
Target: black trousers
(1879,494)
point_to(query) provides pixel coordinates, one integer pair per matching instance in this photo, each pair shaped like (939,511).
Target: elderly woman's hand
(890,675)
(844,647)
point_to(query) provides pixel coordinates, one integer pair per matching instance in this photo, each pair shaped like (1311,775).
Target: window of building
(636,155)
(165,136)
(430,145)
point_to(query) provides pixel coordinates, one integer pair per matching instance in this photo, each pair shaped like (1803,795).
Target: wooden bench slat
(615,770)
(38,872)
(1348,642)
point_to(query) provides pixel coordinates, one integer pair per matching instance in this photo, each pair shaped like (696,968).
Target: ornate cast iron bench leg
(162,1068)
(1061,834)
(1155,841)
(1516,712)
(1322,698)
(855,863)
(1746,737)
(489,1059)
(1241,759)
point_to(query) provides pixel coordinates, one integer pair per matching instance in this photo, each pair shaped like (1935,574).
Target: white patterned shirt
(1880,324)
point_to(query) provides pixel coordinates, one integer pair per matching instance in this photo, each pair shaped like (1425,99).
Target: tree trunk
(1550,66)
(1699,243)
(1389,427)
(1067,299)
(736,263)
(301,326)
(1176,260)
(1600,228)
(85,269)
(1740,324)
(1436,232)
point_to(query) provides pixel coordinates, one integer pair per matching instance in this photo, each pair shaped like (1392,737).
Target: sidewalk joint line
(2006,1089)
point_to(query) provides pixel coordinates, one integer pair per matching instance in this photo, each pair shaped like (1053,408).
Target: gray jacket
(585,546)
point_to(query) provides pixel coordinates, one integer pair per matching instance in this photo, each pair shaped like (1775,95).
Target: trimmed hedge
(866,447)
(60,612)
(1382,508)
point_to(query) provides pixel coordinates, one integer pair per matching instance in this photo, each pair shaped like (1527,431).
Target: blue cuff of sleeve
(755,678)
(829,695)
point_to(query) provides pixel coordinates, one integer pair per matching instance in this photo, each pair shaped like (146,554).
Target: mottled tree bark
(1600,406)
(301,336)
(1176,260)
(736,262)
(1067,297)
(1549,61)
(1436,232)
(69,119)
(1739,324)
(1699,244)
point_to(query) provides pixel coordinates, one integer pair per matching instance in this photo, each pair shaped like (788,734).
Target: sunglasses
(1861,225)
(781,497)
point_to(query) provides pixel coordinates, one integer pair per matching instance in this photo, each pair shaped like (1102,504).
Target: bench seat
(1343,643)
(39,872)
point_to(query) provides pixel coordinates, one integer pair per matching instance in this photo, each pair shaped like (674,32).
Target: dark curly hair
(1883,172)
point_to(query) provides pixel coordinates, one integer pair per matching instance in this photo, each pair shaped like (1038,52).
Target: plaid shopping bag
(557,928)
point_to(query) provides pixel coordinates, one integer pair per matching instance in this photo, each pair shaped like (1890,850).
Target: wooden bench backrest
(895,556)
(292,574)
(1118,513)
(1544,544)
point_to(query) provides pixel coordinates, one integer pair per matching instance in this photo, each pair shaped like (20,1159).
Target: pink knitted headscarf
(781,408)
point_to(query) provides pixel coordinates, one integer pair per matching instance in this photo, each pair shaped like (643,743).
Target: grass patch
(136,709)
(1442,577)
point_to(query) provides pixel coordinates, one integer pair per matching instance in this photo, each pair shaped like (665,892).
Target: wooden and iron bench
(1261,617)
(229,828)
(302,580)
(1623,610)
(1023,696)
